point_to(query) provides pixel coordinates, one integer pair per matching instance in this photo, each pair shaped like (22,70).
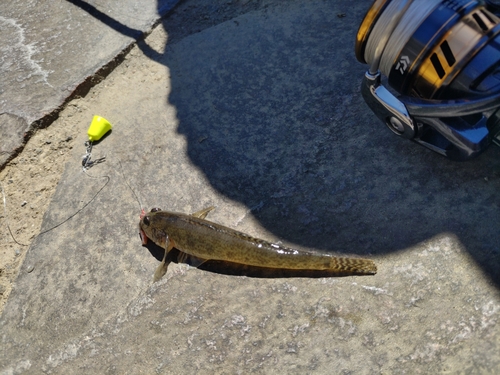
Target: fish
(201,240)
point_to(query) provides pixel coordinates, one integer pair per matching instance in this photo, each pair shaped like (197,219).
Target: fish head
(147,227)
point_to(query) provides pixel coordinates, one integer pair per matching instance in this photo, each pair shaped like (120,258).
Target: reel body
(442,59)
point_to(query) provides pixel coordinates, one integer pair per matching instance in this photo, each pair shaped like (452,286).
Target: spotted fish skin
(203,239)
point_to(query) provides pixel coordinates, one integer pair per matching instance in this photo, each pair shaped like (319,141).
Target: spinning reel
(443,59)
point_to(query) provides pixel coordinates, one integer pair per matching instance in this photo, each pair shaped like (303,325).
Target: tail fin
(354,266)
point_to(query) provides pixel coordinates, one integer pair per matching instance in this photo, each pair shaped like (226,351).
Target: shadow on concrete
(275,120)
(107,20)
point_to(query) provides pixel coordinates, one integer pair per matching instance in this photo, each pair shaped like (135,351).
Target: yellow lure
(98,128)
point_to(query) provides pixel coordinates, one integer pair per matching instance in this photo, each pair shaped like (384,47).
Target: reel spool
(443,58)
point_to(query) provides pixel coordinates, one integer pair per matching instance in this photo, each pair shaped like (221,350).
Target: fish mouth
(144,238)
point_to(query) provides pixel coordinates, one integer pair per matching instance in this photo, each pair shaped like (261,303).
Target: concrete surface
(51,51)
(261,116)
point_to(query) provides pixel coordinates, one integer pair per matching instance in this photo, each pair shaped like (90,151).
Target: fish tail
(354,266)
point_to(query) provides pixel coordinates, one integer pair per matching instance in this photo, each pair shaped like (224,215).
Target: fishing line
(87,163)
(126,183)
(6,218)
(412,18)
(108,178)
(99,127)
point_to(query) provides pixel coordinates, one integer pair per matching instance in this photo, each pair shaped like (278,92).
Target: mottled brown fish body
(207,240)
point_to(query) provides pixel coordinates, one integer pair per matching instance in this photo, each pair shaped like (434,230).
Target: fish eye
(156,209)
(145,220)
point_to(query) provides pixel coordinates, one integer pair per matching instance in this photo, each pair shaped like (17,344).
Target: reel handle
(457,129)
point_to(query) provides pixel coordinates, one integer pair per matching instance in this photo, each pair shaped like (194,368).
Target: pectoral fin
(162,268)
(161,271)
(203,213)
